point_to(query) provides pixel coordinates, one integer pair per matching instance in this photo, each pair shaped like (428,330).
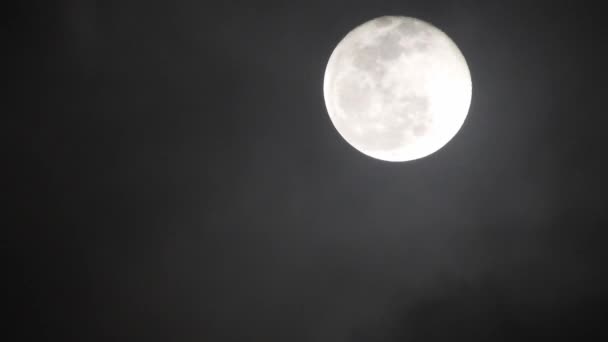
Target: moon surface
(397,88)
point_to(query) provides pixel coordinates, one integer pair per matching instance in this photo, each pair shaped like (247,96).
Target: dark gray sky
(178,178)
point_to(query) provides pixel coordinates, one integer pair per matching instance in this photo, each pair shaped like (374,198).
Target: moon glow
(397,88)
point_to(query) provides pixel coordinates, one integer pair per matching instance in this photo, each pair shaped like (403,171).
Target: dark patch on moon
(417,37)
(383,21)
(389,47)
(365,58)
(386,47)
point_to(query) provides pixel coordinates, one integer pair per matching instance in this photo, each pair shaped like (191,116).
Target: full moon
(397,88)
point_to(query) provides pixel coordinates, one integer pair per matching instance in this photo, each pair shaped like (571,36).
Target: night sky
(174,176)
